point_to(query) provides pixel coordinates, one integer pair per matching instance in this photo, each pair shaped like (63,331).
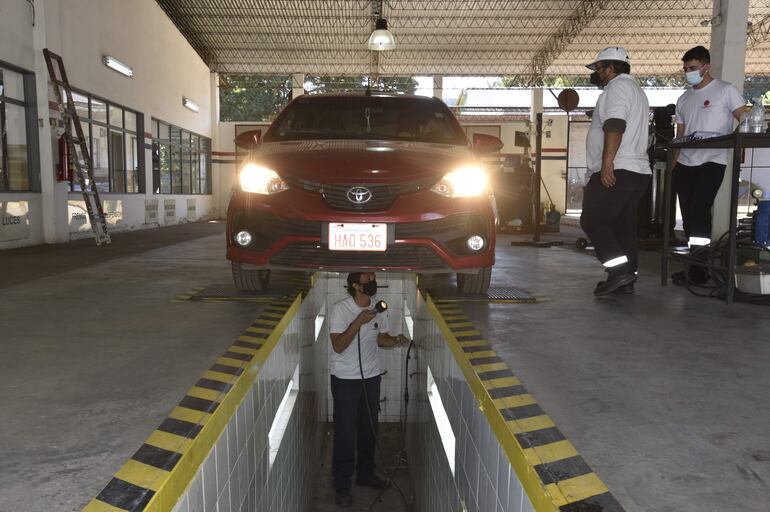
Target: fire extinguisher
(63,170)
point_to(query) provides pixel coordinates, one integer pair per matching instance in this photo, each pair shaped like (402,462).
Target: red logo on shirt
(706,103)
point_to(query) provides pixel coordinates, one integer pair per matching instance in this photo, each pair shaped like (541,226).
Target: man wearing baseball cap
(619,169)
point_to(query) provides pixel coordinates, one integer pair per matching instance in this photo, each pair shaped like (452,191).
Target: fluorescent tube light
(188,103)
(115,64)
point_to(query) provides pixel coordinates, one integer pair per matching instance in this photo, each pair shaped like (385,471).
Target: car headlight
(260,180)
(463,182)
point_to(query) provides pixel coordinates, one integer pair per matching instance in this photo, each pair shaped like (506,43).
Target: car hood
(345,161)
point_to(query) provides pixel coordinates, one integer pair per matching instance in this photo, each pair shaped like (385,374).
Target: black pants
(609,217)
(696,188)
(352,427)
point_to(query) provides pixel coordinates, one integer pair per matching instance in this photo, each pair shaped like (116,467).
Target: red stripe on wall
(223,153)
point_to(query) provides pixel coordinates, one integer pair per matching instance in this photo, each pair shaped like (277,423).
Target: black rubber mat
(495,294)
(279,287)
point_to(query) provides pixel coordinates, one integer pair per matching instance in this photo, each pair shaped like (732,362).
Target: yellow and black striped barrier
(159,472)
(555,477)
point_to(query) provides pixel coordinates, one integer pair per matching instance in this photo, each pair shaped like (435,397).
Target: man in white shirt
(617,161)
(357,330)
(710,105)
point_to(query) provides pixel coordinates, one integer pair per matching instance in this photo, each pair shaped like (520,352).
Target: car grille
(402,256)
(382,198)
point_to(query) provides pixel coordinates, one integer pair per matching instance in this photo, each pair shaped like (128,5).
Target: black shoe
(627,289)
(613,283)
(374,482)
(343,498)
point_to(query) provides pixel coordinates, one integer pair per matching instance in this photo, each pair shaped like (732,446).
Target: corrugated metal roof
(524,38)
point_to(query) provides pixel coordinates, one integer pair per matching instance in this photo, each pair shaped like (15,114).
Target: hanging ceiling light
(381,39)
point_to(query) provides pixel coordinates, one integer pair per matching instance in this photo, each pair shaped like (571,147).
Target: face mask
(693,77)
(370,288)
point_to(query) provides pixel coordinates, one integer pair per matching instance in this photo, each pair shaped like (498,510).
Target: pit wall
(215,451)
(476,439)
(247,436)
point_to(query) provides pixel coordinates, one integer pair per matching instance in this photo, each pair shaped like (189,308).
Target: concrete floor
(662,392)
(391,464)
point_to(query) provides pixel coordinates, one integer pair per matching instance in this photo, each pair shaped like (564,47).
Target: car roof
(364,95)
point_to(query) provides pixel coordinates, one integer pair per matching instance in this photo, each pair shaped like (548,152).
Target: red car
(352,181)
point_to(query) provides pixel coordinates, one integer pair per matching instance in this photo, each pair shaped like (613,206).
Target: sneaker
(628,289)
(374,482)
(613,283)
(343,498)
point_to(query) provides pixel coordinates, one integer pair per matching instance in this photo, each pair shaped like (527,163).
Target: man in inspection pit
(357,330)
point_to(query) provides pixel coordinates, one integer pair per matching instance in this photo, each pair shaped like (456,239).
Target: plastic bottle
(762,221)
(756,116)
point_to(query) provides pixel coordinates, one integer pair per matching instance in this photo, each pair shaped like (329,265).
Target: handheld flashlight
(381,306)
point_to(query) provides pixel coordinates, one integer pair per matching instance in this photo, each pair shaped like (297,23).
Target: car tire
(474,283)
(250,280)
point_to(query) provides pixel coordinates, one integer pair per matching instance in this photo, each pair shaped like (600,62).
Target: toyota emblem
(359,195)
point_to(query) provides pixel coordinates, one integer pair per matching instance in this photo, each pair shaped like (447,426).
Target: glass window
(165,169)
(117,162)
(100,157)
(16,146)
(81,105)
(12,84)
(130,121)
(98,111)
(195,162)
(116,116)
(132,163)
(180,160)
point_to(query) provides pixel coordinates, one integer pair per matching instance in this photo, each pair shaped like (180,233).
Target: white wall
(166,67)
(16,33)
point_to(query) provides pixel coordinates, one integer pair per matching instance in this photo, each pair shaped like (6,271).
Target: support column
(728,62)
(53,195)
(536,110)
(297,84)
(438,86)
(219,196)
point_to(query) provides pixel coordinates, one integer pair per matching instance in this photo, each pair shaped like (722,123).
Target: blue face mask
(693,77)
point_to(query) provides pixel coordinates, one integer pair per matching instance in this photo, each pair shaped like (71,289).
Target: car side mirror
(248,139)
(483,143)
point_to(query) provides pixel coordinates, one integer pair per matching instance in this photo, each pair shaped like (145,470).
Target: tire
(250,280)
(477,283)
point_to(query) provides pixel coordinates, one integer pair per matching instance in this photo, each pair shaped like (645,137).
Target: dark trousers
(352,429)
(609,216)
(696,187)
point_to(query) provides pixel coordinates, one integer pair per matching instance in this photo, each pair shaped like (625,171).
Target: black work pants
(352,427)
(609,217)
(696,187)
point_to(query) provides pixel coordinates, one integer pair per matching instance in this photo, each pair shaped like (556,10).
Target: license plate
(358,237)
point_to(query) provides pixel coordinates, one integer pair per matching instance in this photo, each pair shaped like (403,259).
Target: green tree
(327,83)
(252,97)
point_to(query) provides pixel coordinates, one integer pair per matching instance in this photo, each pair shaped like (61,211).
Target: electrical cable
(374,434)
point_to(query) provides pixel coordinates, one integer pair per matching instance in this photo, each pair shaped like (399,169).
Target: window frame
(140,141)
(30,132)
(180,162)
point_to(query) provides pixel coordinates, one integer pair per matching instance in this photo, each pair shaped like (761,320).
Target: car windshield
(367,118)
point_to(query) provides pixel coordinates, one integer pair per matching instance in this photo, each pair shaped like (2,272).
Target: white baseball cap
(610,53)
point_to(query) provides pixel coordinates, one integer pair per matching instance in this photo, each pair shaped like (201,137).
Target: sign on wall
(169,210)
(151,211)
(191,209)
(14,220)
(78,214)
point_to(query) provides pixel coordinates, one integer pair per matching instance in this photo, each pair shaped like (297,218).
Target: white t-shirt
(345,364)
(624,99)
(708,109)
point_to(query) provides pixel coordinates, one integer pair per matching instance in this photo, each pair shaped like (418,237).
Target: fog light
(243,238)
(475,243)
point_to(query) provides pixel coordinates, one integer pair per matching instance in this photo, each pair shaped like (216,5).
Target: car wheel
(250,280)
(474,283)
